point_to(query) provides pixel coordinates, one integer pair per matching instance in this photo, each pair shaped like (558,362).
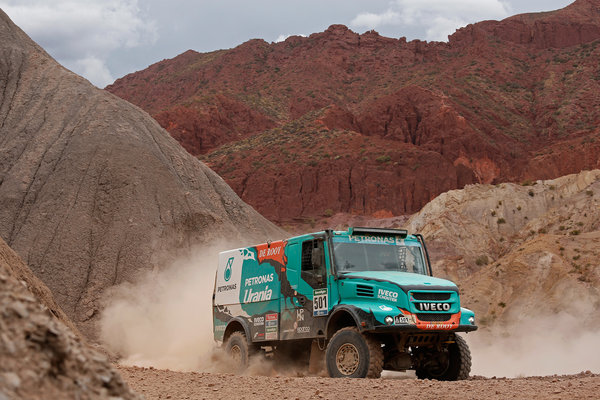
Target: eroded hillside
(92,189)
(520,251)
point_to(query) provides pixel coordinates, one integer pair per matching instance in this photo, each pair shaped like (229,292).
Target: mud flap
(316,363)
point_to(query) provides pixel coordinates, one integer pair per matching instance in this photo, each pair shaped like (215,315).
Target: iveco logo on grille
(433,306)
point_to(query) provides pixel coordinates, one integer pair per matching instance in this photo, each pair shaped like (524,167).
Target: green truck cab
(362,300)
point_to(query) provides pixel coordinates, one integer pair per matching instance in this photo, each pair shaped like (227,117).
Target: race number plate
(320,302)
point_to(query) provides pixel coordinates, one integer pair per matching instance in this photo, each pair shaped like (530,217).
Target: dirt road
(165,384)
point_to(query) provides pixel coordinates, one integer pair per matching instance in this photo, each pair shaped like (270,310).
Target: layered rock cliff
(509,100)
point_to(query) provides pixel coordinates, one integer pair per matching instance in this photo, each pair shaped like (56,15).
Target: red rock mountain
(342,122)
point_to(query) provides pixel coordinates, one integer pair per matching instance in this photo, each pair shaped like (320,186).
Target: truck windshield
(354,257)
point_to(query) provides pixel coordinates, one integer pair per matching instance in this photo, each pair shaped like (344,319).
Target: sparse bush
(383,158)
(502,304)
(577,257)
(501,221)
(493,213)
(519,208)
(482,260)
(575,232)
(328,212)
(530,193)
(589,192)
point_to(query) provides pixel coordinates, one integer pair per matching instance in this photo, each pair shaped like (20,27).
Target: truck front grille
(430,296)
(434,317)
(364,290)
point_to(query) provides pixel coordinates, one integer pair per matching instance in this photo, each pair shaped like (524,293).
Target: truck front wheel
(351,354)
(237,348)
(451,364)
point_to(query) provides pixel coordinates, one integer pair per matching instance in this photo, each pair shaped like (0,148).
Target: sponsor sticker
(258,280)
(251,296)
(433,306)
(271,328)
(438,326)
(320,302)
(226,288)
(299,314)
(385,308)
(228,267)
(259,321)
(388,295)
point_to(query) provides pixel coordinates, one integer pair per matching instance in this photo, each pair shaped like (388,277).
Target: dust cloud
(164,320)
(536,346)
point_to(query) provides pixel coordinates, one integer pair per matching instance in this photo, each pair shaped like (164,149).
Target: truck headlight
(388,320)
(472,320)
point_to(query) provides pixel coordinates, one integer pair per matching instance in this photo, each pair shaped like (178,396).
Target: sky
(103,40)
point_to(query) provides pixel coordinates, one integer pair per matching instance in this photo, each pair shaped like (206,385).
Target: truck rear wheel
(351,354)
(237,348)
(453,364)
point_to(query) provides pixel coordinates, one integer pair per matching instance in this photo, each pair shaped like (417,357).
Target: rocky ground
(165,384)
(41,356)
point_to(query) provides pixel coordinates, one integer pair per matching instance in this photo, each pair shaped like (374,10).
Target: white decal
(320,302)
(247,254)
(385,308)
(388,295)
(300,314)
(438,326)
(400,319)
(263,295)
(257,280)
(269,252)
(433,306)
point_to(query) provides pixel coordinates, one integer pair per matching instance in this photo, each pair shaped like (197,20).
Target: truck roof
(403,233)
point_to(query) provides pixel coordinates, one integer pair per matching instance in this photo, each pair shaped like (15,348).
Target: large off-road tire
(237,348)
(351,354)
(456,364)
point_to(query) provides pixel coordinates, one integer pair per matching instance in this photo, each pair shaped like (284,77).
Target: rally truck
(354,302)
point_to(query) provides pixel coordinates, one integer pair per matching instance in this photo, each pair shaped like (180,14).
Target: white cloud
(370,20)
(81,34)
(440,18)
(282,37)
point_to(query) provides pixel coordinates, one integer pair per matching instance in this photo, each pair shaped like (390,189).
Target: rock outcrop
(509,100)
(519,251)
(42,358)
(92,189)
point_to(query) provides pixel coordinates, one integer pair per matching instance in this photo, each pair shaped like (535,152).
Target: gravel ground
(165,384)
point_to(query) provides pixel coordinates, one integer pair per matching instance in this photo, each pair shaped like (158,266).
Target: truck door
(310,307)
